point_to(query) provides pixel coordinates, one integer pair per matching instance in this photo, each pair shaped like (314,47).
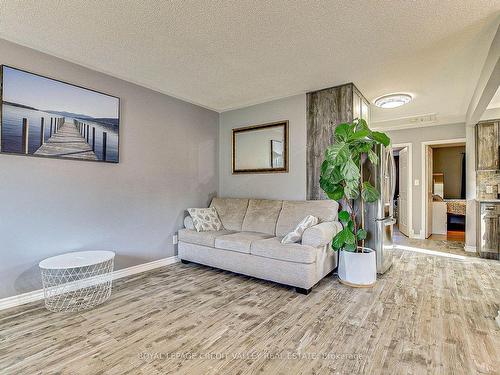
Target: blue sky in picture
(46,94)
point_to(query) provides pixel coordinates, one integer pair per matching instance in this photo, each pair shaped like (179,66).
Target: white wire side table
(77,281)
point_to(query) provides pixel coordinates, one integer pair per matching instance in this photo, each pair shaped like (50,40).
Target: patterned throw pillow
(296,234)
(205,219)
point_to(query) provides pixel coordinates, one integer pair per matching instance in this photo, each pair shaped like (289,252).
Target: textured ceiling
(229,54)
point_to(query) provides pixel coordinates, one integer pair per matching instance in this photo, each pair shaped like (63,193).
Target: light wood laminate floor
(427,315)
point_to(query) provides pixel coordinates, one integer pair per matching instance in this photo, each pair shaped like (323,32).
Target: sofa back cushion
(262,215)
(294,211)
(231,211)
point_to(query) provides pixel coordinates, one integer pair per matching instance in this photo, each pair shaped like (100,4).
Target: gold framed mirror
(261,148)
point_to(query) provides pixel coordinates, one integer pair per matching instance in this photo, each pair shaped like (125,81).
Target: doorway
(443,190)
(403,195)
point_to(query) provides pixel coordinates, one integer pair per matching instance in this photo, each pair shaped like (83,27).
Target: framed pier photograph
(46,117)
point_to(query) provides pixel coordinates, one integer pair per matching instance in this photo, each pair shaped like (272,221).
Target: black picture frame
(63,135)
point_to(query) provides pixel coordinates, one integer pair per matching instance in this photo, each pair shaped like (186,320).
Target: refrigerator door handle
(389,221)
(393,182)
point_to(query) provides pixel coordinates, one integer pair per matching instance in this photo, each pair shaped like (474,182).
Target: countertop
(488,200)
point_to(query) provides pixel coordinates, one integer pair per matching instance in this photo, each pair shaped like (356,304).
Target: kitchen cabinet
(487,146)
(488,230)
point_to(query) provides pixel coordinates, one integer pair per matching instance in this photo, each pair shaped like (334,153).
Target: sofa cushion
(205,219)
(262,215)
(274,249)
(294,211)
(201,238)
(321,234)
(231,211)
(296,234)
(240,241)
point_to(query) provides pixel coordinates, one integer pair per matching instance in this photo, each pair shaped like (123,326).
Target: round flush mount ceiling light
(393,100)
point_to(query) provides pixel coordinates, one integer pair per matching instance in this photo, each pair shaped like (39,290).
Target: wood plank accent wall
(325,110)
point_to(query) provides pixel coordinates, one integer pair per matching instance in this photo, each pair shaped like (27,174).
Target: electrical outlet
(489,189)
(175,239)
(416,183)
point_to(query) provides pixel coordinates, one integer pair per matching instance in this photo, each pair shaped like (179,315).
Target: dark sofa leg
(184,261)
(303,291)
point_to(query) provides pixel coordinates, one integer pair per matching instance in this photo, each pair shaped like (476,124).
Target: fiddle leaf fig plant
(342,178)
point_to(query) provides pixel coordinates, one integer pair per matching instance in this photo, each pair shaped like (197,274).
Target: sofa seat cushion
(240,241)
(274,249)
(201,238)
(262,215)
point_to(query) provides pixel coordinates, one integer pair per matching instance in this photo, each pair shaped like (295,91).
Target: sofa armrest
(321,234)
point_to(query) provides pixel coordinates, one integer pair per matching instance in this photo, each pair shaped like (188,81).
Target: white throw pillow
(205,219)
(188,223)
(296,234)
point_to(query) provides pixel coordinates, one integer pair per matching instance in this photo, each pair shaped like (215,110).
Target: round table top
(76,259)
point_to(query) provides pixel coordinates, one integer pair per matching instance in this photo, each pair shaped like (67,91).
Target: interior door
(428,208)
(403,191)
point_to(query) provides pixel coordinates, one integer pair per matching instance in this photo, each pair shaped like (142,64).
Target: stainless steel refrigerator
(379,219)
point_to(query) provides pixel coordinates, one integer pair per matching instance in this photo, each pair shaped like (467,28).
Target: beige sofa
(250,242)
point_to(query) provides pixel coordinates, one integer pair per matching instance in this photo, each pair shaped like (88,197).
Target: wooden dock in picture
(67,142)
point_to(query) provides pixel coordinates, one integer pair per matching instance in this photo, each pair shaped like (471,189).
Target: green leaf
(362,125)
(350,247)
(336,194)
(334,190)
(339,239)
(372,156)
(364,146)
(326,167)
(369,193)
(350,225)
(380,138)
(361,234)
(337,175)
(350,171)
(337,153)
(344,217)
(350,239)
(326,184)
(351,189)
(360,134)
(343,132)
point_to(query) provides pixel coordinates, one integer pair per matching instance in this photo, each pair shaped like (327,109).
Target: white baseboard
(36,295)
(470,249)
(144,267)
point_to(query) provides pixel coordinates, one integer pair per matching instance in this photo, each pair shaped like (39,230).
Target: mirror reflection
(261,148)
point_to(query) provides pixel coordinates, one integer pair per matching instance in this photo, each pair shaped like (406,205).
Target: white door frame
(423,182)
(411,233)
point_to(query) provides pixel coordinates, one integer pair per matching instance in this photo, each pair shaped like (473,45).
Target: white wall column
(470,186)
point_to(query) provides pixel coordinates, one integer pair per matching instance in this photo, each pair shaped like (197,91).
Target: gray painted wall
(168,161)
(291,185)
(416,136)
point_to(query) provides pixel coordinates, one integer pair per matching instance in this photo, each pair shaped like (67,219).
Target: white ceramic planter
(358,269)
